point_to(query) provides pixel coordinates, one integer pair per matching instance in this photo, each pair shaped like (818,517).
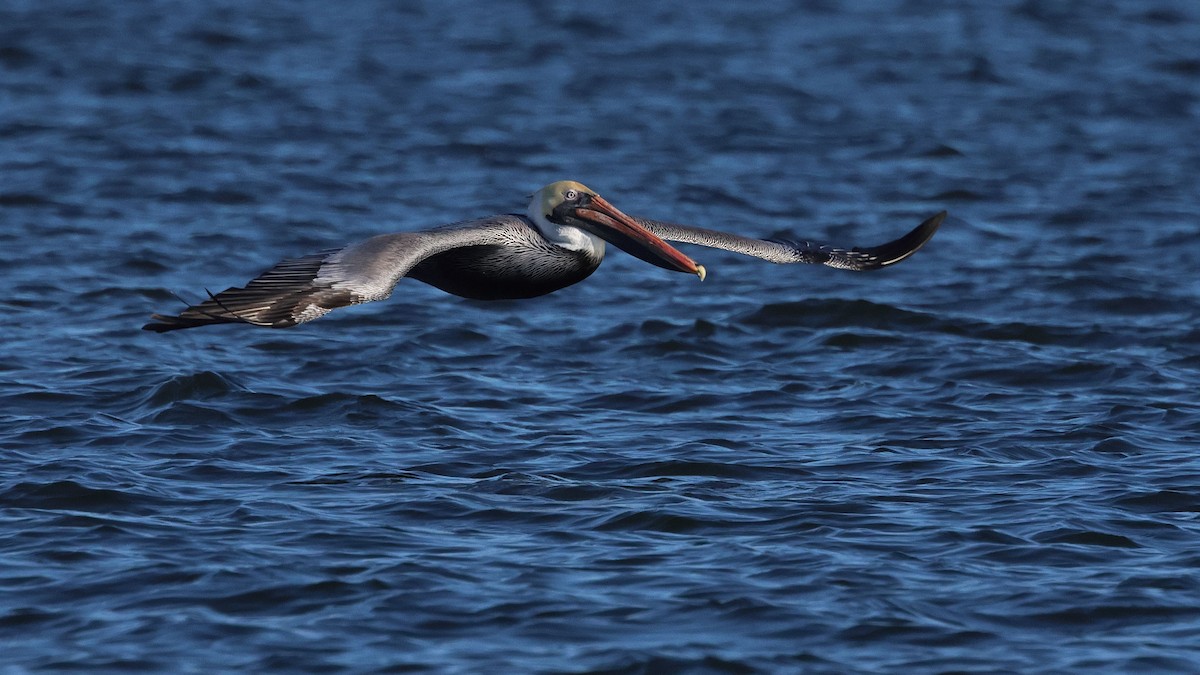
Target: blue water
(983,459)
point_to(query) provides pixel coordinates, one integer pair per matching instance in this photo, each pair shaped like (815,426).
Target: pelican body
(560,241)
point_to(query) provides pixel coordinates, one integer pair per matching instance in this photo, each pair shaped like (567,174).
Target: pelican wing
(784,251)
(302,289)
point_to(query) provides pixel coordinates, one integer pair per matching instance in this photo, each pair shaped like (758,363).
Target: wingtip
(904,247)
(161,323)
(931,225)
(933,222)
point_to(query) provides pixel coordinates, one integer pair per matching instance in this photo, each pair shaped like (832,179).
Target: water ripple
(980,460)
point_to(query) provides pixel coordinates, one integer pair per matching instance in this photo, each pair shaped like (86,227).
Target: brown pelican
(558,242)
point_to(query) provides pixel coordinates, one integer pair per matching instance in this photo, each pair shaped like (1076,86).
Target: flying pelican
(558,242)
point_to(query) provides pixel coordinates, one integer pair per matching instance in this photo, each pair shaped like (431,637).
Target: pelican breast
(524,266)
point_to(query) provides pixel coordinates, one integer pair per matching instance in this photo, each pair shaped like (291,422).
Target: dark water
(984,459)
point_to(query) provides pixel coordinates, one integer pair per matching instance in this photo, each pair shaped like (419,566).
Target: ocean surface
(984,459)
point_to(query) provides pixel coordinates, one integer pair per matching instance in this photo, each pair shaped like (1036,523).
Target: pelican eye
(571,195)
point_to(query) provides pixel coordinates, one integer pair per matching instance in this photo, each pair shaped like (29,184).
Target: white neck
(566,236)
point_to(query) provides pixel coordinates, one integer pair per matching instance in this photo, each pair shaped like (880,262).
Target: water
(983,459)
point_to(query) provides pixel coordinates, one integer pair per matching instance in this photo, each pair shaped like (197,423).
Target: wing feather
(784,251)
(301,289)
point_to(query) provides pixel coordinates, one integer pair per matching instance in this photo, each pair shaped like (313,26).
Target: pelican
(558,242)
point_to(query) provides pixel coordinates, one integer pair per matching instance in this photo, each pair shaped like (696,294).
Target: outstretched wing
(786,251)
(307,288)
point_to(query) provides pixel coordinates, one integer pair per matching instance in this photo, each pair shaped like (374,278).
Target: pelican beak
(607,222)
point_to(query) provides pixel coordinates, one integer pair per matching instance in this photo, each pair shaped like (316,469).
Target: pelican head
(571,204)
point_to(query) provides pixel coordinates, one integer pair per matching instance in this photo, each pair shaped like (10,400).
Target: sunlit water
(982,459)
